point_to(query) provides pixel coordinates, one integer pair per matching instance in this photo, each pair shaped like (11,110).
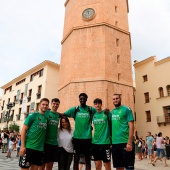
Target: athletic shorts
(122,158)
(101,152)
(31,157)
(82,146)
(50,153)
(10,150)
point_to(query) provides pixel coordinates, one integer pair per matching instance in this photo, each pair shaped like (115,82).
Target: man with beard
(122,135)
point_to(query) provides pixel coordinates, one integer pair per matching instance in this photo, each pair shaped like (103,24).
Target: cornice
(162,61)
(94,25)
(66,2)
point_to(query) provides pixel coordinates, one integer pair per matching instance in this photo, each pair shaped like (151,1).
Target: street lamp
(7,115)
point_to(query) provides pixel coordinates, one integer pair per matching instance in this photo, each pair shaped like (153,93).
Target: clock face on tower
(88,14)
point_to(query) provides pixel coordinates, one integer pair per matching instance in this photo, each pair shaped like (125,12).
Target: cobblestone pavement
(12,164)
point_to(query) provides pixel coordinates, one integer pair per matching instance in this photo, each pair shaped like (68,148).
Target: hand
(128,147)
(106,111)
(22,151)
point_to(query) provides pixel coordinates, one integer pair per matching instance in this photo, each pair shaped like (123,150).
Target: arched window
(161,92)
(168,89)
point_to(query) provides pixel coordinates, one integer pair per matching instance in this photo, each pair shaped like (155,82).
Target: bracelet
(129,144)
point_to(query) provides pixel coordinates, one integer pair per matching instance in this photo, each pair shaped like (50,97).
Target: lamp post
(7,115)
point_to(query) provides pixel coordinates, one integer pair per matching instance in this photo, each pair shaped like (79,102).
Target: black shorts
(122,158)
(101,152)
(82,146)
(31,157)
(50,153)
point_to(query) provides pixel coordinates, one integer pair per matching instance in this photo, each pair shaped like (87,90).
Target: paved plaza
(12,164)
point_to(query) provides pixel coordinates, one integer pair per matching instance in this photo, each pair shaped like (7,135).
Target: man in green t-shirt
(51,143)
(122,135)
(32,138)
(101,139)
(82,135)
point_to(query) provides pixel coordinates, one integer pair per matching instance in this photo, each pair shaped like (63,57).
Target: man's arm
(23,136)
(130,139)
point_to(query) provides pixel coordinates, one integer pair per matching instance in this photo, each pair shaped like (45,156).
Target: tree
(13,126)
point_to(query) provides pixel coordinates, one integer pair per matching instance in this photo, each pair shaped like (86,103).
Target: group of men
(39,135)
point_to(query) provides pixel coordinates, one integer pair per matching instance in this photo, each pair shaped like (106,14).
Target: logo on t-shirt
(115,117)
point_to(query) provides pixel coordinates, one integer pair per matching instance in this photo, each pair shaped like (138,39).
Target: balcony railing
(163,119)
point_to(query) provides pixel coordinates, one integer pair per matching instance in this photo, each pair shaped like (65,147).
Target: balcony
(163,119)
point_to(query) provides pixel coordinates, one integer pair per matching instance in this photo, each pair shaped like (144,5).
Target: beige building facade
(96,57)
(152,96)
(26,91)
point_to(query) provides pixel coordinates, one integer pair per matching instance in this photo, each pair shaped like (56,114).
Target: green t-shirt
(101,128)
(120,129)
(52,127)
(35,135)
(82,128)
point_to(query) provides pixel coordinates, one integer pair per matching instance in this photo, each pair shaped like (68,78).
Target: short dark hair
(12,139)
(116,94)
(55,100)
(159,134)
(97,100)
(44,99)
(83,94)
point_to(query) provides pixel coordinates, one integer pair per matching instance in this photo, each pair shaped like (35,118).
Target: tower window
(148,116)
(118,59)
(145,78)
(118,76)
(117,42)
(116,9)
(146,97)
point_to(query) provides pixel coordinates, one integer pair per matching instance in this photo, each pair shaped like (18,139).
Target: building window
(21,81)
(37,106)
(148,116)
(8,100)
(15,98)
(161,92)
(145,78)
(21,99)
(118,59)
(168,89)
(19,114)
(116,9)
(39,92)
(116,23)
(12,115)
(40,73)
(8,89)
(29,95)
(117,42)
(146,97)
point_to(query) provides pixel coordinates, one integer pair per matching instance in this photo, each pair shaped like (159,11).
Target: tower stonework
(95,56)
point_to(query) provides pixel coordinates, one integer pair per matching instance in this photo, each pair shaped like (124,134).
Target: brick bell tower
(96,57)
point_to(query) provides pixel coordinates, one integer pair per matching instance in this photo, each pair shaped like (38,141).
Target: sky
(31,32)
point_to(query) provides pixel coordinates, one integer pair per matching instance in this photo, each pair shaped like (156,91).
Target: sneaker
(153,163)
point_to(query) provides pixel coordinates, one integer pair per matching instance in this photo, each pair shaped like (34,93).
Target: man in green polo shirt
(82,135)
(122,135)
(32,138)
(101,140)
(51,143)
